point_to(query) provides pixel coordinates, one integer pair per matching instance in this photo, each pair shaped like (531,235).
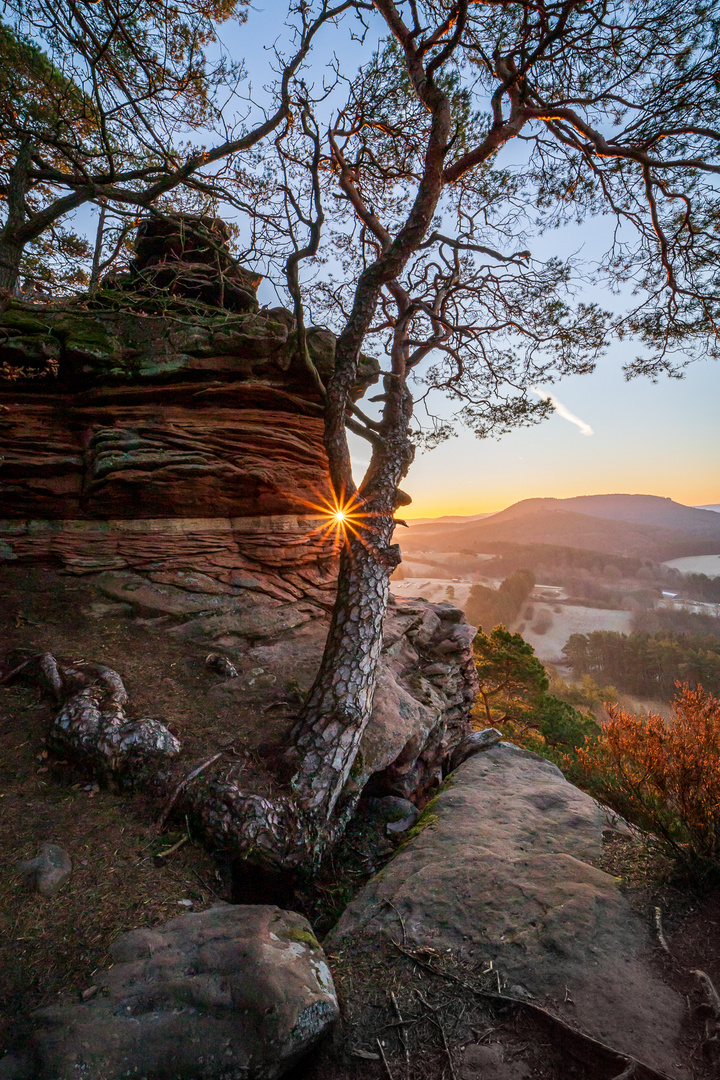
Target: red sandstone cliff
(164,434)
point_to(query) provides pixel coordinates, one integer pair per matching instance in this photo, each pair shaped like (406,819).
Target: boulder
(50,869)
(232,993)
(499,869)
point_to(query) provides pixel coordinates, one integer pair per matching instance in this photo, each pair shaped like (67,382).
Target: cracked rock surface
(501,869)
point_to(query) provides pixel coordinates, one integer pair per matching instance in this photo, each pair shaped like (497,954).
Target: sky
(635,437)
(652,439)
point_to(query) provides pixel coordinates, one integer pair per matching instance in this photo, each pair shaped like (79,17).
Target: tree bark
(328,732)
(11,246)
(97,253)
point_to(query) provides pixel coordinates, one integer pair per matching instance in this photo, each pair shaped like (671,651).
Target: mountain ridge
(649,526)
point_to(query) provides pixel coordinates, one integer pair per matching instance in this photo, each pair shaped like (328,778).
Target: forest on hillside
(646,664)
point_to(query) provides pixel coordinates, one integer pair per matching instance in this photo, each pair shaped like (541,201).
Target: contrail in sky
(561,410)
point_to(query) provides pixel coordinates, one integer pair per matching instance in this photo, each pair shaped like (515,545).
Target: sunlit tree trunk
(328,732)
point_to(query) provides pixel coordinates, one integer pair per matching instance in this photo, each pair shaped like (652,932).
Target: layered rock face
(173,452)
(165,437)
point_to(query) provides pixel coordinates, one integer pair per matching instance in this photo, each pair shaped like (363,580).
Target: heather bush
(663,775)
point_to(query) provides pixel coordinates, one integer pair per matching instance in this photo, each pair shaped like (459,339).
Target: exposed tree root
(92,725)
(711,1013)
(264,827)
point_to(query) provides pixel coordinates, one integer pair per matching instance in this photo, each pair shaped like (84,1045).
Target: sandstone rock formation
(232,993)
(426,686)
(167,435)
(500,872)
(187,256)
(174,457)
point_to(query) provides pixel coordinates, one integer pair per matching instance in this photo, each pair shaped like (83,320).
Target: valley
(612,563)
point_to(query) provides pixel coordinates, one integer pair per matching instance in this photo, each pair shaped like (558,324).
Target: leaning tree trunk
(11,245)
(329,729)
(328,732)
(11,254)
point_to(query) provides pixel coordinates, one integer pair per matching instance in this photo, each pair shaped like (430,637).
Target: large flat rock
(502,872)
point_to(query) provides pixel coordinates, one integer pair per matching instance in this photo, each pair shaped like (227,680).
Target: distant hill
(645,526)
(448,519)
(710,506)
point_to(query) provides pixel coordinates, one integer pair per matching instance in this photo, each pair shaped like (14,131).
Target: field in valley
(697,564)
(566,620)
(570,619)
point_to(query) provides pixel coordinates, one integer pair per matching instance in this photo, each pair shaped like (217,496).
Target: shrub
(552,728)
(562,727)
(663,775)
(543,622)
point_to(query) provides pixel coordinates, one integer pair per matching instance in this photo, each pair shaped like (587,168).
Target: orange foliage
(664,775)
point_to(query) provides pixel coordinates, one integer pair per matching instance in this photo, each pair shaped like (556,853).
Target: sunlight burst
(341,517)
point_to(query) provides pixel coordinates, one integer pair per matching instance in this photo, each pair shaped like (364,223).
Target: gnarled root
(92,726)
(710,1011)
(267,828)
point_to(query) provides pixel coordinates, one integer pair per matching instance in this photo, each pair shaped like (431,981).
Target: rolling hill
(645,526)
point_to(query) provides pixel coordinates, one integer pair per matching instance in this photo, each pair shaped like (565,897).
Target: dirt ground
(127,871)
(120,877)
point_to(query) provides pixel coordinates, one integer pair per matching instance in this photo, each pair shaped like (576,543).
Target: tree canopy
(508,671)
(648,664)
(123,104)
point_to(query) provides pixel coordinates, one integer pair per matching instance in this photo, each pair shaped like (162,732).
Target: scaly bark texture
(92,728)
(328,732)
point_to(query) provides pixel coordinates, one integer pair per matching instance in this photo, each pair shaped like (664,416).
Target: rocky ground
(423,986)
(127,871)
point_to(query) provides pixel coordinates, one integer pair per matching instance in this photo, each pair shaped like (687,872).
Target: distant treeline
(580,572)
(700,587)
(488,608)
(678,622)
(647,664)
(548,559)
